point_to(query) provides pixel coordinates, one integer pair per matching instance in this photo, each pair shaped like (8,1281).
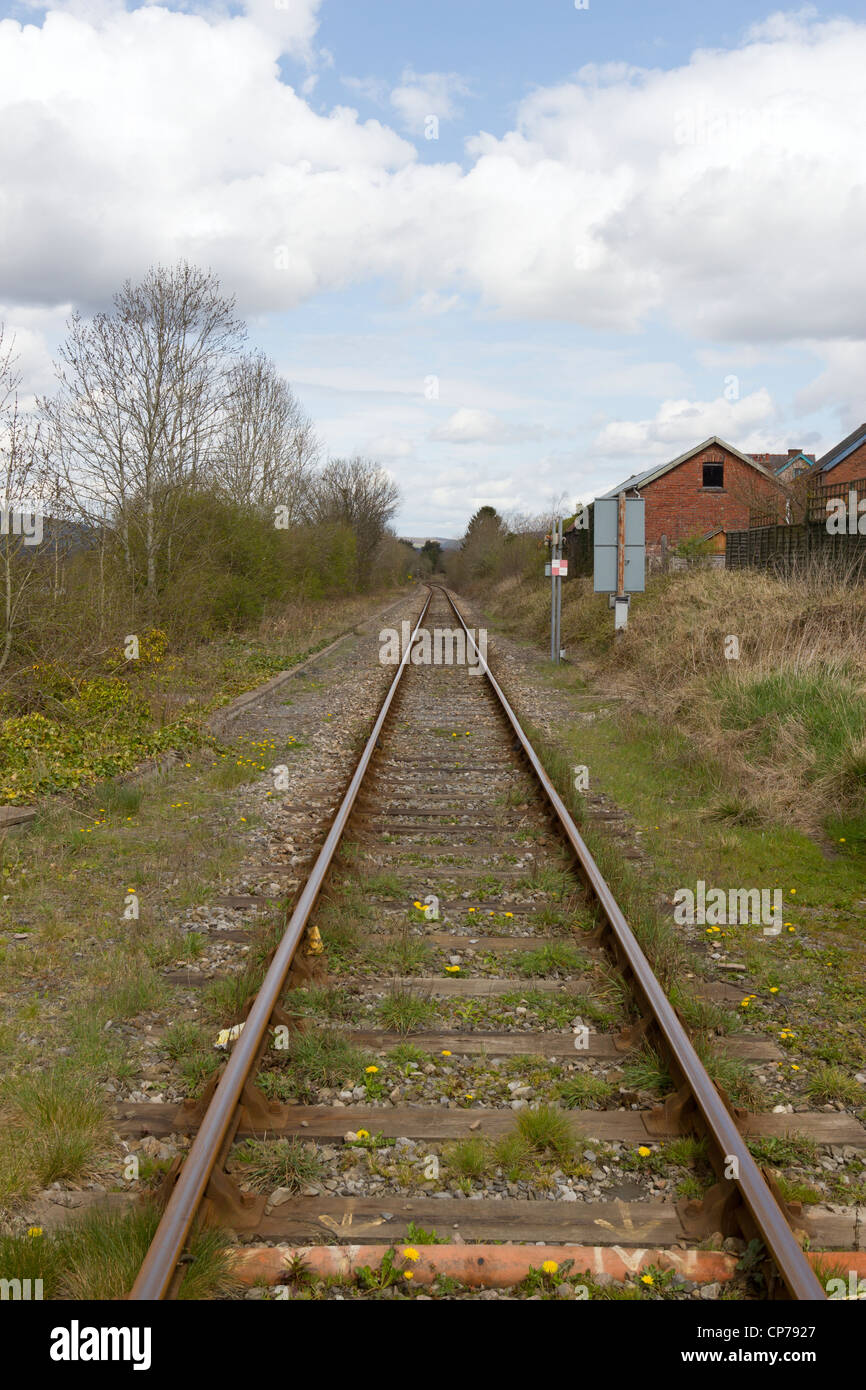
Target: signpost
(619,552)
(557,570)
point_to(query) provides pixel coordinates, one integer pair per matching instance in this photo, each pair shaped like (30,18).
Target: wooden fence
(818,497)
(770,543)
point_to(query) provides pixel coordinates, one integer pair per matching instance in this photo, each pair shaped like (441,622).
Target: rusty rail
(159,1265)
(770,1221)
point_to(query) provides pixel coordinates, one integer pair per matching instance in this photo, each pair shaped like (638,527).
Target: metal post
(552,594)
(559,597)
(620,600)
(555,592)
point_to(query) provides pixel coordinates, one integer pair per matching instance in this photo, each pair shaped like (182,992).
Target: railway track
(470,934)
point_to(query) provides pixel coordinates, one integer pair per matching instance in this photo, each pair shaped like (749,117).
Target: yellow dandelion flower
(408,1274)
(644,1151)
(410,1253)
(363,1133)
(774,989)
(34,1231)
(647,1279)
(370,1070)
(452,969)
(446,1054)
(550,1266)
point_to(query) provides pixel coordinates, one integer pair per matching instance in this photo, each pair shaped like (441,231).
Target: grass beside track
(707,758)
(64,728)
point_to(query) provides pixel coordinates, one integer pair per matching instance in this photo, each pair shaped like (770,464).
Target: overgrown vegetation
(780,732)
(267,1164)
(99,1256)
(175,495)
(732,771)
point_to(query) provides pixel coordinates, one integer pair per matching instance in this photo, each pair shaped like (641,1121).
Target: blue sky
(638,224)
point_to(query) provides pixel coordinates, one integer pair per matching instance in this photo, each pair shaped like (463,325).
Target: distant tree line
(181,482)
(494,548)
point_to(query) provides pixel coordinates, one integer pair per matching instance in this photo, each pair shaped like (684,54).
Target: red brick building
(845,462)
(788,466)
(701,494)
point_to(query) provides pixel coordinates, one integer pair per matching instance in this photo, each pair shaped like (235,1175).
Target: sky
(515,252)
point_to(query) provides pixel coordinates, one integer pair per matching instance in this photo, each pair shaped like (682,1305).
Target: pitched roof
(777,463)
(842,450)
(639,480)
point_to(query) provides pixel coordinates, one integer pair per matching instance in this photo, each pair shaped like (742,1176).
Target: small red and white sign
(559,567)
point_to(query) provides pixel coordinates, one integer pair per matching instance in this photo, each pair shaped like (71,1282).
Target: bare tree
(356,492)
(22,483)
(268,446)
(141,393)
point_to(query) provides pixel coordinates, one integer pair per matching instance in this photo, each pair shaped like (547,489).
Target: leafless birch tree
(140,402)
(268,446)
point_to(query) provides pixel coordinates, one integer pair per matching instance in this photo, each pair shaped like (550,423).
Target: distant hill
(446,542)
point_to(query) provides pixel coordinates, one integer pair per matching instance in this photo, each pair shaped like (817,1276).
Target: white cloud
(469,426)
(386,446)
(736,357)
(156,134)
(292,23)
(841,386)
(678,424)
(637,379)
(431,302)
(421,95)
(31,334)
(728,195)
(373,89)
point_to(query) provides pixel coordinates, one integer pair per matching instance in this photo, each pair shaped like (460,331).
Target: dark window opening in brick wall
(714,475)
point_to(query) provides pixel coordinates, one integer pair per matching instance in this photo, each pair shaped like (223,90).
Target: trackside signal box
(619,555)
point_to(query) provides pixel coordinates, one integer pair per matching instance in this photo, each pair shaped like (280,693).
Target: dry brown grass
(680,628)
(783,726)
(785,722)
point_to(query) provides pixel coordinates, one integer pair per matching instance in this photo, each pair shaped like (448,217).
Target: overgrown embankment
(171,534)
(764,676)
(69,725)
(738,772)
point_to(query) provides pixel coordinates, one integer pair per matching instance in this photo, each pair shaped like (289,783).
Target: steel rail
(158,1267)
(779,1239)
